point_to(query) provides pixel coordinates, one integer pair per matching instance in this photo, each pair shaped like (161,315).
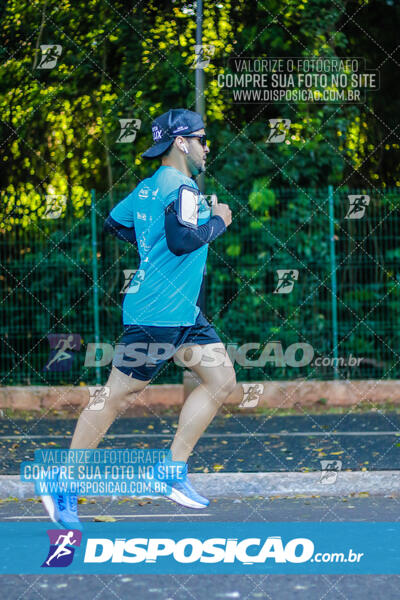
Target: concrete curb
(241,485)
(155,398)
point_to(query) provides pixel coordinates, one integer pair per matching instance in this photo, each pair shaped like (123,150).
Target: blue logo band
(206,547)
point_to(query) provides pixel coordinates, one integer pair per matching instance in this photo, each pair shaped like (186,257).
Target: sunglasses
(201,138)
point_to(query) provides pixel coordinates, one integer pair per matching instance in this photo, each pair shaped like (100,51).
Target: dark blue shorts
(143,349)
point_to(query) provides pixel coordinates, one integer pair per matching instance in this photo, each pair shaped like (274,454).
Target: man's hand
(223,211)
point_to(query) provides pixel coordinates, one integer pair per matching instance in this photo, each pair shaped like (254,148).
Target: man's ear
(182,145)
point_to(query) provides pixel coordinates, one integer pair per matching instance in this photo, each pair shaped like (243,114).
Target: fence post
(333,280)
(95,278)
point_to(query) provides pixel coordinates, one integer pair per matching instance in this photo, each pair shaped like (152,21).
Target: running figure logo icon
(61,551)
(129,274)
(279,129)
(98,397)
(357,207)
(62,347)
(286,280)
(129,129)
(202,56)
(50,55)
(251,394)
(55,205)
(329,471)
(210,199)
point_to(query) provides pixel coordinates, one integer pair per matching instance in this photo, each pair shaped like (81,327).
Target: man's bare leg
(93,424)
(90,429)
(203,402)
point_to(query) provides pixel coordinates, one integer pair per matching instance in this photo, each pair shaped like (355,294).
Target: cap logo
(181,128)
(157,133)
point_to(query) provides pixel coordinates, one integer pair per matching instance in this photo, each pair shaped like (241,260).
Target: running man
(287,281)
(62,550)
(360,204)
(62,347)
(172,240)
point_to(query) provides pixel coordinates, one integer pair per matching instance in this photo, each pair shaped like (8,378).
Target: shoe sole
(180,498)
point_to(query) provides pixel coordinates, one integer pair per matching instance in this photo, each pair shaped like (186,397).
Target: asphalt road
(201,587)
(347,508)
(237,443)
(210,587)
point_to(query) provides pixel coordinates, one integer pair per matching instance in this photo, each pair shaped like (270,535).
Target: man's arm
(182,240)
(127,234)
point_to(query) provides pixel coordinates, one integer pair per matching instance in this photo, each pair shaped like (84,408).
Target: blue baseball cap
(177,121)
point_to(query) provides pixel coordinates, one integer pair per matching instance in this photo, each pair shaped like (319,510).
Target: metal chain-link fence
(304,284)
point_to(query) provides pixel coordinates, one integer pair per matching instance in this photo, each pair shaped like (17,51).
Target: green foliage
(124,60)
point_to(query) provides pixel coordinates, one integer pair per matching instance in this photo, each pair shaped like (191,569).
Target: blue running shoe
(183,493)
(63,510)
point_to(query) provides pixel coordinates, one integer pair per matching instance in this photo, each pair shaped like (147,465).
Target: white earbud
(184,148)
